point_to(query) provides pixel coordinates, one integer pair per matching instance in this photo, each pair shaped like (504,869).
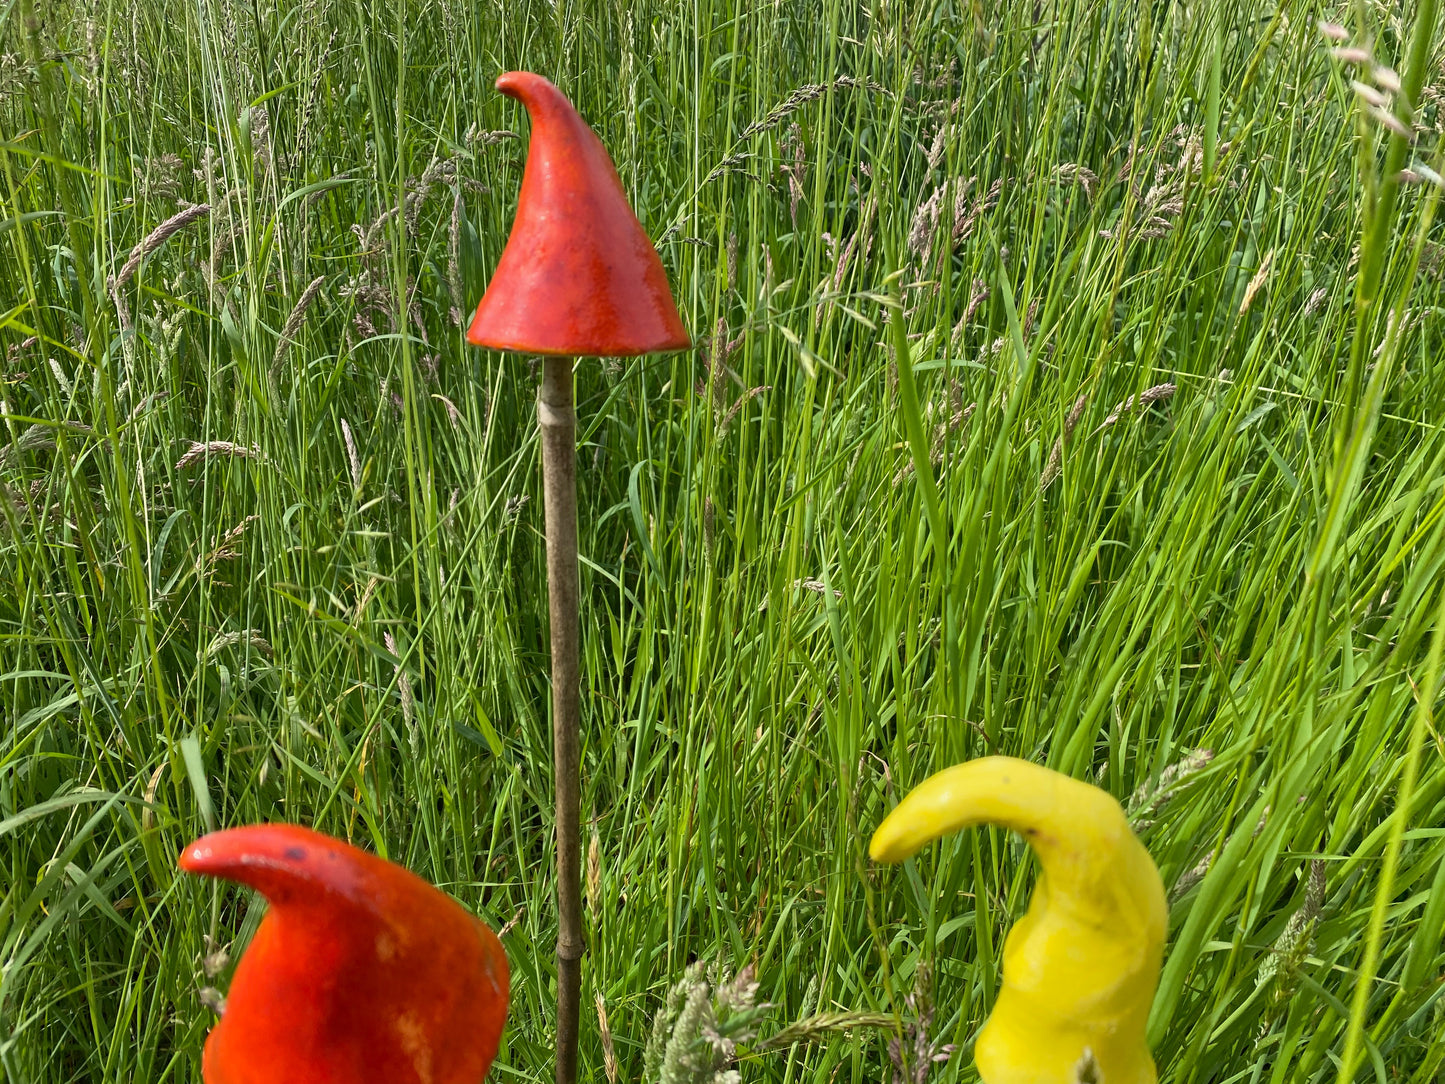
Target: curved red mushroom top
(578,275)
(360,973)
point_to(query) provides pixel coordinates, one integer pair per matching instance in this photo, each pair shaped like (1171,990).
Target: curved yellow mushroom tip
(895,839)
(1038,803)
(882,849)
(1080,969)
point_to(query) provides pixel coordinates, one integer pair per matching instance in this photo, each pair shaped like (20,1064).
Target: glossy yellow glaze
(1080,968)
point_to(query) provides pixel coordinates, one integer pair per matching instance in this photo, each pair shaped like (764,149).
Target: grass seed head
(1257,281)
(609,1053)
(157,237)
(200,451)
(296,319)
(1055,462)
(351,457)
(1386,119)
(1073,173)
(1369,94)
(1385,78)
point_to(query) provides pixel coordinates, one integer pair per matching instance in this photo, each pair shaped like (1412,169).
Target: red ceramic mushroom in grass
(578,277)
(360,973)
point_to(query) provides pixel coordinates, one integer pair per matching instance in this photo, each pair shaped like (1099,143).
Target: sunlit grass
(1163,473)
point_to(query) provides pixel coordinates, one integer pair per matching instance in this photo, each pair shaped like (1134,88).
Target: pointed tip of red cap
(579,275)
(285,862)
(360,971)
(516,84)
(232,851)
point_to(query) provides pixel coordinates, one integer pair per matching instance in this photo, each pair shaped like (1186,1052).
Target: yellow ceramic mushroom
(1080,968)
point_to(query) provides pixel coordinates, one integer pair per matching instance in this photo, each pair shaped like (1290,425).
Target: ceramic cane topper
(360,972)
(1080,968)
(578,277)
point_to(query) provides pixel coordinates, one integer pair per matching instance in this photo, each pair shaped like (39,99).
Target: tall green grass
(1069,386)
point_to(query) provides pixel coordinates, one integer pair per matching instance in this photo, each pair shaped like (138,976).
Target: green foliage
(1068,386)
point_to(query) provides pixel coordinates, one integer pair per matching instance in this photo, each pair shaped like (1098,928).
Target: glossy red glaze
(578,275)
(360,973)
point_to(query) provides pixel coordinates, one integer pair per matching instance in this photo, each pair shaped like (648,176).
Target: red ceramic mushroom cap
(360,973)
(578,275)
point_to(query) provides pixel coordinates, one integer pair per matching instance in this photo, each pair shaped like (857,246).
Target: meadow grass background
(1168,357)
